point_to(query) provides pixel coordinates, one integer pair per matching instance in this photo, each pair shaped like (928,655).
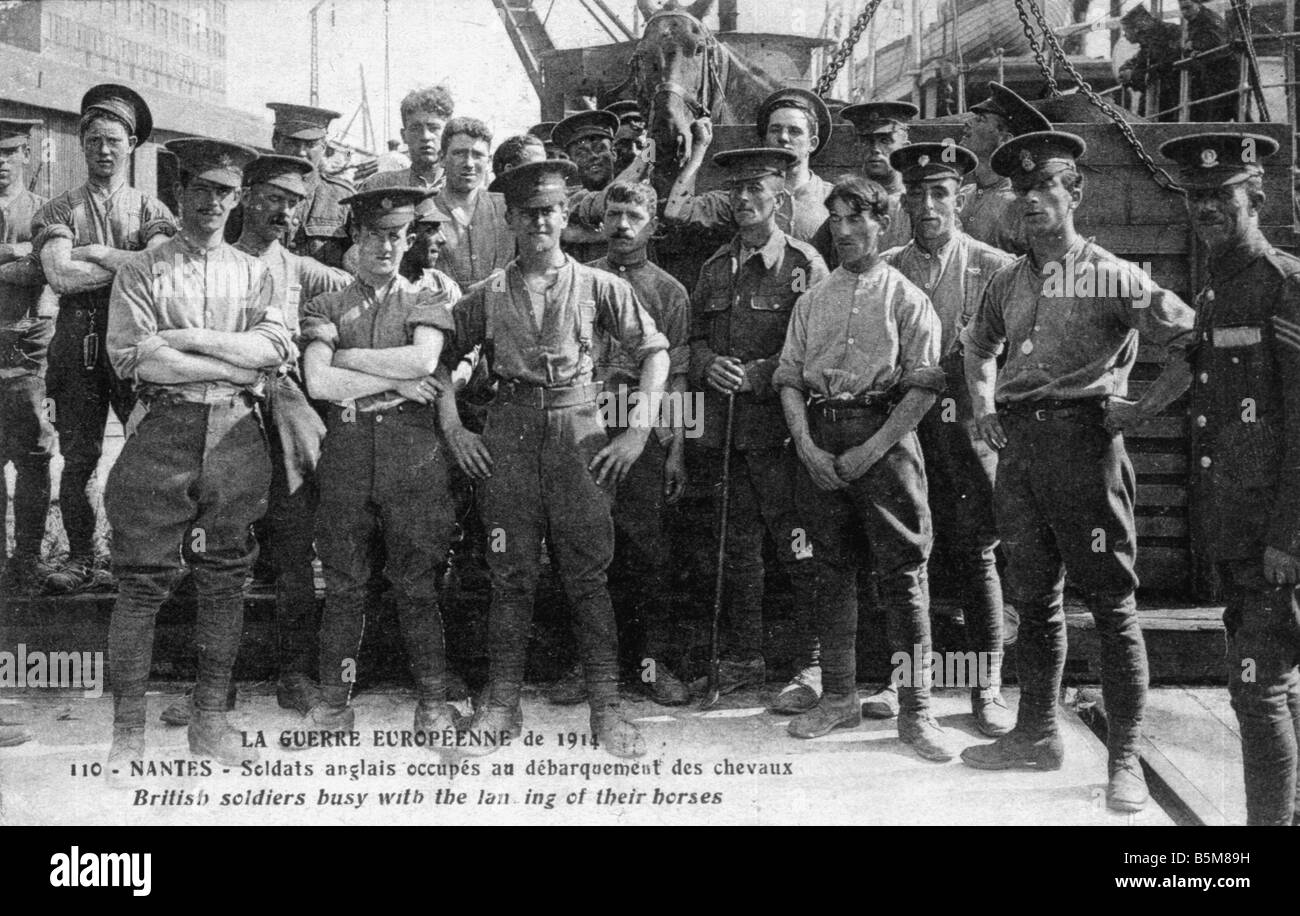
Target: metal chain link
(1159,175)
(1034,46)
(845,50)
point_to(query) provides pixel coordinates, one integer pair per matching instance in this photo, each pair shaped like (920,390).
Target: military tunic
(741,307)
(1245,423)
(991,214)
(542,431)
(83,389)
(479,246)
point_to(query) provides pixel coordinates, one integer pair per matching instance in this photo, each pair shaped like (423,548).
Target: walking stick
(713,692)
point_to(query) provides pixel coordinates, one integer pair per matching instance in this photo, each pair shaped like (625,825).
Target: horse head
(678,75)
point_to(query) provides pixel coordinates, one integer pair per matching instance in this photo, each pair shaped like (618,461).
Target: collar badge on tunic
(1027,161)
(1209,158)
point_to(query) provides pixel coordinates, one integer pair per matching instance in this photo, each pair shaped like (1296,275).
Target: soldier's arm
(330,383)
(266,344)
(414,360)
(982,341)
(789,381)
(1162,317)
(1284,526)
(68,275)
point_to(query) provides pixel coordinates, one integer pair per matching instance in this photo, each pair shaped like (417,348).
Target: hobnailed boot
(615,733)
(490,728)
(212,736)
(1126,790)
(992,717)
(1018,749)
(667,689)
(922,733)
(883,704)
(801,694)
(297,692)
(831,712)
(178,713)
(127,748)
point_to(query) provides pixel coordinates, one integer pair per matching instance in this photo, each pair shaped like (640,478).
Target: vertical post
(388,131)
(314,92)
(915,39)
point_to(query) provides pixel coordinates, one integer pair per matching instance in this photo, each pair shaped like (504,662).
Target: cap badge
(1027,161)
(386,203)
(922,161)
(1209,158)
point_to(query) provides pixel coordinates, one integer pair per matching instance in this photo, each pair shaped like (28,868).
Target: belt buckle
(540,392)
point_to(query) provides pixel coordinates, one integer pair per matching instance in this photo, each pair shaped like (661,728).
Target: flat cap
(537,184)
(1021,117)
(868,117)
(301,122)
(584,124)
(1044,150)
(385,208)
(16,132)
(932,161)
(742,164)
(805,101)
(289,173)
(626,110)
(1214,160)
(121,102)
(212,160)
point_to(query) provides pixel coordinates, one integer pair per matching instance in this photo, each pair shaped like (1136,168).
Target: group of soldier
(881,358)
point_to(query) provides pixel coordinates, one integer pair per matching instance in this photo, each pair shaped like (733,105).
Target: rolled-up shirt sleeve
(156,219)
(987,334)
(52,221)
(266,317)
(710,210)
(430,310)
(623,318)
(132,320)
(318,322)
(789,369)
(919,334)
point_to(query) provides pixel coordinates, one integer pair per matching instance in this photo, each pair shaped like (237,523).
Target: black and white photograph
(637,413)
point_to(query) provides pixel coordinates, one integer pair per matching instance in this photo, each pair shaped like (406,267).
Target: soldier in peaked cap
(954,269)
(82,238)
(544,461)
(1151,67)
(989,211)
(587,138)
(371,350)
(739,311)
(1246,448)
(791,119)
(274,187)
(322,218)
(26,311)
(631,134)
(1068,315)
(195,324)
(882,128)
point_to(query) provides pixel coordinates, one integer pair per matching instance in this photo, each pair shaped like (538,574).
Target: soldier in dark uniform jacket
(739,312)
(322,231)
(1214,73)
(26,312)
(1158,47)
(1246,446)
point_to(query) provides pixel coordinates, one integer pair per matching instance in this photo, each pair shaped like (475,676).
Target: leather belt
(540,397)
(838,411)
(1054,409)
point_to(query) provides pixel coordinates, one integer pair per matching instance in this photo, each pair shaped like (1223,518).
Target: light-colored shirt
(177,285)
(854,335)
(298,279)
(1071,329)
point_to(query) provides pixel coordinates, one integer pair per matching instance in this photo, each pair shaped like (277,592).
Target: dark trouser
(960,474)
(82,398)
(641,571)
(1263,626)
(1064,501)
(190,481)
(763,500)
(540,486)
(295,434)
(26,439)
(888,504)
(383,475)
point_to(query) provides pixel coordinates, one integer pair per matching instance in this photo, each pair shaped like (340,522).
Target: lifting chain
(845,50)
(1159,175)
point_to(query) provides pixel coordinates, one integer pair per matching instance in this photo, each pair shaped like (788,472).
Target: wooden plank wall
(1130,215)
